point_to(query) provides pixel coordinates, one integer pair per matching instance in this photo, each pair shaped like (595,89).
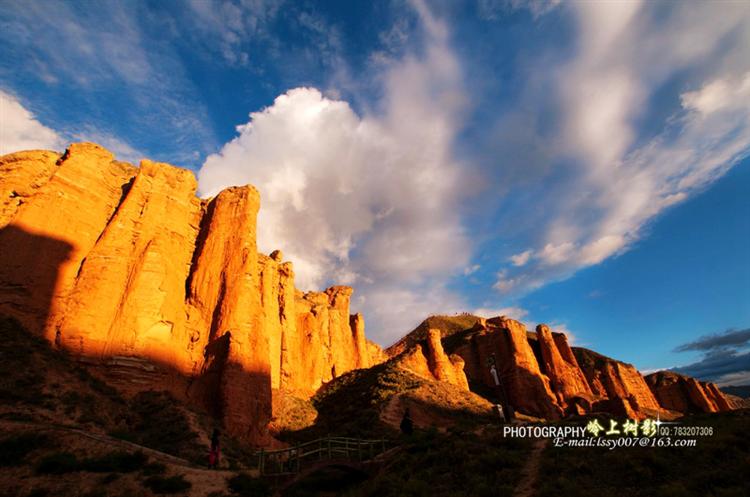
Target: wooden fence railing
(292,460)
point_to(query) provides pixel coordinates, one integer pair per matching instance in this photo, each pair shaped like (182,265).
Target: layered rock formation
(684,394)
(504,342)
(620,387)
(428,359)
(566,378)
(541,375)
(126,268)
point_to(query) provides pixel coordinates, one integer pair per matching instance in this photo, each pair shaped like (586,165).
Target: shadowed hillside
(370,403)
(65,432)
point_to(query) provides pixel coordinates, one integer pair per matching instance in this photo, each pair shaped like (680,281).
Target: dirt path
(392,412)
(530,472)
(110,441)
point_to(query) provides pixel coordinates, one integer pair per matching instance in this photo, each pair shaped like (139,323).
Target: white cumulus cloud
(20,130)
(365,199)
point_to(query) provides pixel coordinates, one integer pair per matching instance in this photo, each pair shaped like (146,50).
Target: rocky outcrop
(560,365)
(375,353)
(687,395)
(541,375)
(611,379)
(504,342)
(718,397)
(428,360)
(323,324)
(127,269)
(448,325)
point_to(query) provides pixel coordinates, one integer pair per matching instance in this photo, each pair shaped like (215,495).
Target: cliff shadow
(30,266)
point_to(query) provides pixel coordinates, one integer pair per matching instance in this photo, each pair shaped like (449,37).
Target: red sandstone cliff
(560,365)
(540,373)
(429,360)
(126,268)
(684,394)
(504,341)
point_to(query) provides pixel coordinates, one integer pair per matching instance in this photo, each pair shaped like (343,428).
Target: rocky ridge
(127,269)
(543,376)
(156,289)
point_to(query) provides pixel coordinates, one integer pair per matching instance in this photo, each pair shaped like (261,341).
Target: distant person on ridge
(215,453)
(407,425)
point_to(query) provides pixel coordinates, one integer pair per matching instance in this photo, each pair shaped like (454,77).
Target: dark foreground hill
(63,432)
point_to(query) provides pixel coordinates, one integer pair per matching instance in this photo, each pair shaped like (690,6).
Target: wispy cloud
(116,77)
(517,313)
(736,378)
(227,27)
(496,9)
(725,356)
(718,364)
(471,269)
(730,338)
(612,180)
(122,150)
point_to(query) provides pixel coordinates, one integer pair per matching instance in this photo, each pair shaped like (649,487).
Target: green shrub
(97,492)
(245,485)
(13,450)
(115,462)
(57,464)
(169,485)
(154,468)
(107,479)
(157,422)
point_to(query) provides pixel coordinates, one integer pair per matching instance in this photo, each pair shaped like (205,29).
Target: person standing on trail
(505,409)
(407,425)
(215,453)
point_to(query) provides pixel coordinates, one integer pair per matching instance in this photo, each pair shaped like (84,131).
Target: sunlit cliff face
(108,261)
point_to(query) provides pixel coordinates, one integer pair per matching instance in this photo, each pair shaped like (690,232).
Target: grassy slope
(56,418)
(588,359)
(351,404)
(459,463)
(448,325)
(470,457)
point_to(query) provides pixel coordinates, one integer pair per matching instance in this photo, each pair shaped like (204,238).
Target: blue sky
(577,163)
